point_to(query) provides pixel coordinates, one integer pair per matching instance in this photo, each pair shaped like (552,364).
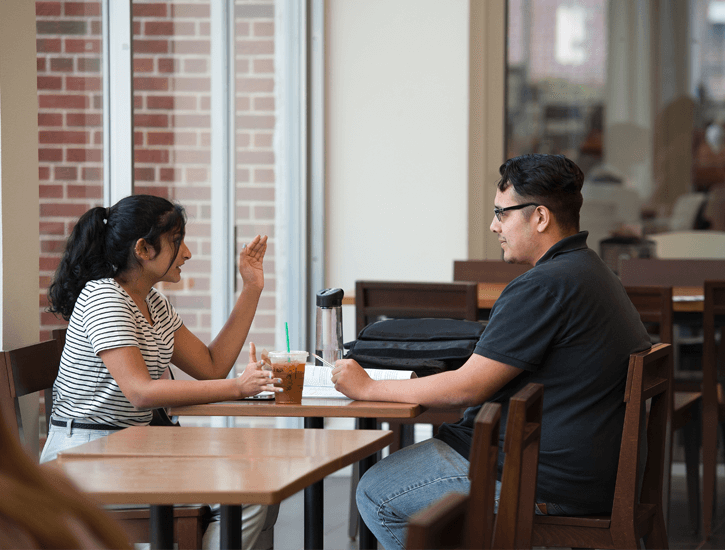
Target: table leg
(367,539)
(314,502)
(230,527)
(161,525)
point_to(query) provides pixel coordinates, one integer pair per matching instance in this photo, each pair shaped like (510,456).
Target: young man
(566,323)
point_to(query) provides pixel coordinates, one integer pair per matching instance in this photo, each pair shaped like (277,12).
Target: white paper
(318,380)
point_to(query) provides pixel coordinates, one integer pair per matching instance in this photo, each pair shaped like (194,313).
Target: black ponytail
(102,244)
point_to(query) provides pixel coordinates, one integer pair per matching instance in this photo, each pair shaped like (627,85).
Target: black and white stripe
(105,317)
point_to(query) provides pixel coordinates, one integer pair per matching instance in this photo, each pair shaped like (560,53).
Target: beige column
(19,219)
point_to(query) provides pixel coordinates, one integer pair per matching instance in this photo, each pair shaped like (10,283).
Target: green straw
(286,329)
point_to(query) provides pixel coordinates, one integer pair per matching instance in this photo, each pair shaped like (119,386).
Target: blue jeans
(411,479)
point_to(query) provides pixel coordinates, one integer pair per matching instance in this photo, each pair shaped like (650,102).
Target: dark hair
(102,244)
(553,181)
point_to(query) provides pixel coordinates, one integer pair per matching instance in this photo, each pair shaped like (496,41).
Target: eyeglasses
(499,211)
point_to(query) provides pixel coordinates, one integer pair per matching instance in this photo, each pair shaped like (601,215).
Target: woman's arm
(216,360)
(472,384)
(129,370)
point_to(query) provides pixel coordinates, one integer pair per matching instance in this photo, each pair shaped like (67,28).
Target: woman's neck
(135,285)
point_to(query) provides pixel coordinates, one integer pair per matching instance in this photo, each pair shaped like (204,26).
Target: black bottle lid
(330,297)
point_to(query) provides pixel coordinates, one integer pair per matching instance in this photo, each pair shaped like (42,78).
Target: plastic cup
(290,367)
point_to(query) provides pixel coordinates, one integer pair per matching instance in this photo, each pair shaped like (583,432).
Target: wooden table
(314,411)
(163,466)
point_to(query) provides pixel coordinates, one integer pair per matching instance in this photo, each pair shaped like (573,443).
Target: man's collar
(578,241)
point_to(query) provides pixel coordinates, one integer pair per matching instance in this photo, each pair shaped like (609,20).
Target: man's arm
(472,384)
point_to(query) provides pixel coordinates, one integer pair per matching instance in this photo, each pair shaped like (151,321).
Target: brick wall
(172,135)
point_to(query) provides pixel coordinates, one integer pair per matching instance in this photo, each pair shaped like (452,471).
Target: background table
(314,411)
(163,466)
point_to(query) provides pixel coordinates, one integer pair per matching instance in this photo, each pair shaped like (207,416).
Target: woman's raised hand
(255,379)
(250,262)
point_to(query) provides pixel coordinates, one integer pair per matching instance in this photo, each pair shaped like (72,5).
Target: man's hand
(351,379)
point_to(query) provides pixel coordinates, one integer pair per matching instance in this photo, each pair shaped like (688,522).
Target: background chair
(468,521)
(690,244)
(654,304)
(636,512)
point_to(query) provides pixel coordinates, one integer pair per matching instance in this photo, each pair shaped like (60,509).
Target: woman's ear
(143,250)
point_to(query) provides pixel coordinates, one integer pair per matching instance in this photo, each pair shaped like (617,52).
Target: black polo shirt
(570,326)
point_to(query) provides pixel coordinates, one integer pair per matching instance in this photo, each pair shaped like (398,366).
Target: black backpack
(425,346)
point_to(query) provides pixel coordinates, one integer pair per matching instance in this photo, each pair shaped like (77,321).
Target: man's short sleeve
(108,319)
(524,322)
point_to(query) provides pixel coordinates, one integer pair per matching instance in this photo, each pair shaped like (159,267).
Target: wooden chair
(32,369)
(468,521)
(636,513)
(654,304)
(713,414)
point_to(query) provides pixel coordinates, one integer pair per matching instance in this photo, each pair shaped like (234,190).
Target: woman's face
(165,265)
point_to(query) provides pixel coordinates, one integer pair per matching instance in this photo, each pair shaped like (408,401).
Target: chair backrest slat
(487,271)
(654,305)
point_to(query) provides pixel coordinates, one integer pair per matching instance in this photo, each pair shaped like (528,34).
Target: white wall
(397,140)
(19,223)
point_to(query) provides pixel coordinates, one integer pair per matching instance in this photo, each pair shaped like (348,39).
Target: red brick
(65,173)
(242,175)
(192,157)
(86,190)
(61,64)
(151,156)
(84,155)
(264,175)
(96,27)
(263,28)
(263,66)
(50,155)
(255,47)
(136,28)
(166,65)
(88,65)
(150,46)
(143,65)
(137,101)
(82,45)
(48,263)
(195,66)
(62,137)
(197,175)
(167,174)
(43,173)
(57,101)
(83,119)
(241,28)
(197,11)
(40,64)
(144,174)
(204,28)
(241,65)
(61,210)
(193,47)
(244,139)
(264,212)
(255,122)
(91,173)
(97,101)
(263,139)
(138,139)
(47,8)
(51,192)
(50,119)
(252,85)
(48,45)
(243,103)
(52,228)
(151,84)
(90,83)
(149,10)
(151,121)
(50,83)
(83,8)
(160,138)
(191,121)
(97,137)
(159,28)
(264,104)
(160,102)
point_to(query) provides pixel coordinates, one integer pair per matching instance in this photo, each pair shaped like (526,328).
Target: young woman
(123,334)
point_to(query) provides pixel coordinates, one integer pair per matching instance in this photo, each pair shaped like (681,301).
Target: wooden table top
(161,441)
(112,475)
(309,408)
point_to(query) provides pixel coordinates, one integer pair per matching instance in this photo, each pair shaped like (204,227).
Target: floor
(289,526)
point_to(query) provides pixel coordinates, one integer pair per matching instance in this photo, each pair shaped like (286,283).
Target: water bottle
(328,335)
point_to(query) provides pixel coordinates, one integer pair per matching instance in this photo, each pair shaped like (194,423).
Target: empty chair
(637,508)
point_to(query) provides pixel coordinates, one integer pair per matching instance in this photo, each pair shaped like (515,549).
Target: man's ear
(543,218)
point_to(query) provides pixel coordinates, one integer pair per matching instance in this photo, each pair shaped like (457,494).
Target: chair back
(646,271)
(464,521)
(649,378)
(387,299)
(654,305)
(690,244)
(713,354)
(514,520)
(31,369)
(487,271)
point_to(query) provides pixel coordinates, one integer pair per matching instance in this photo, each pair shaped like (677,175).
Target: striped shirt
(106,317)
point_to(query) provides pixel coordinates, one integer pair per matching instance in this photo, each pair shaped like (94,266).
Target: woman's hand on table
(257,376)
(351,379)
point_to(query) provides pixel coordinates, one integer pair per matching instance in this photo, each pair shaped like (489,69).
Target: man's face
(516,232)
